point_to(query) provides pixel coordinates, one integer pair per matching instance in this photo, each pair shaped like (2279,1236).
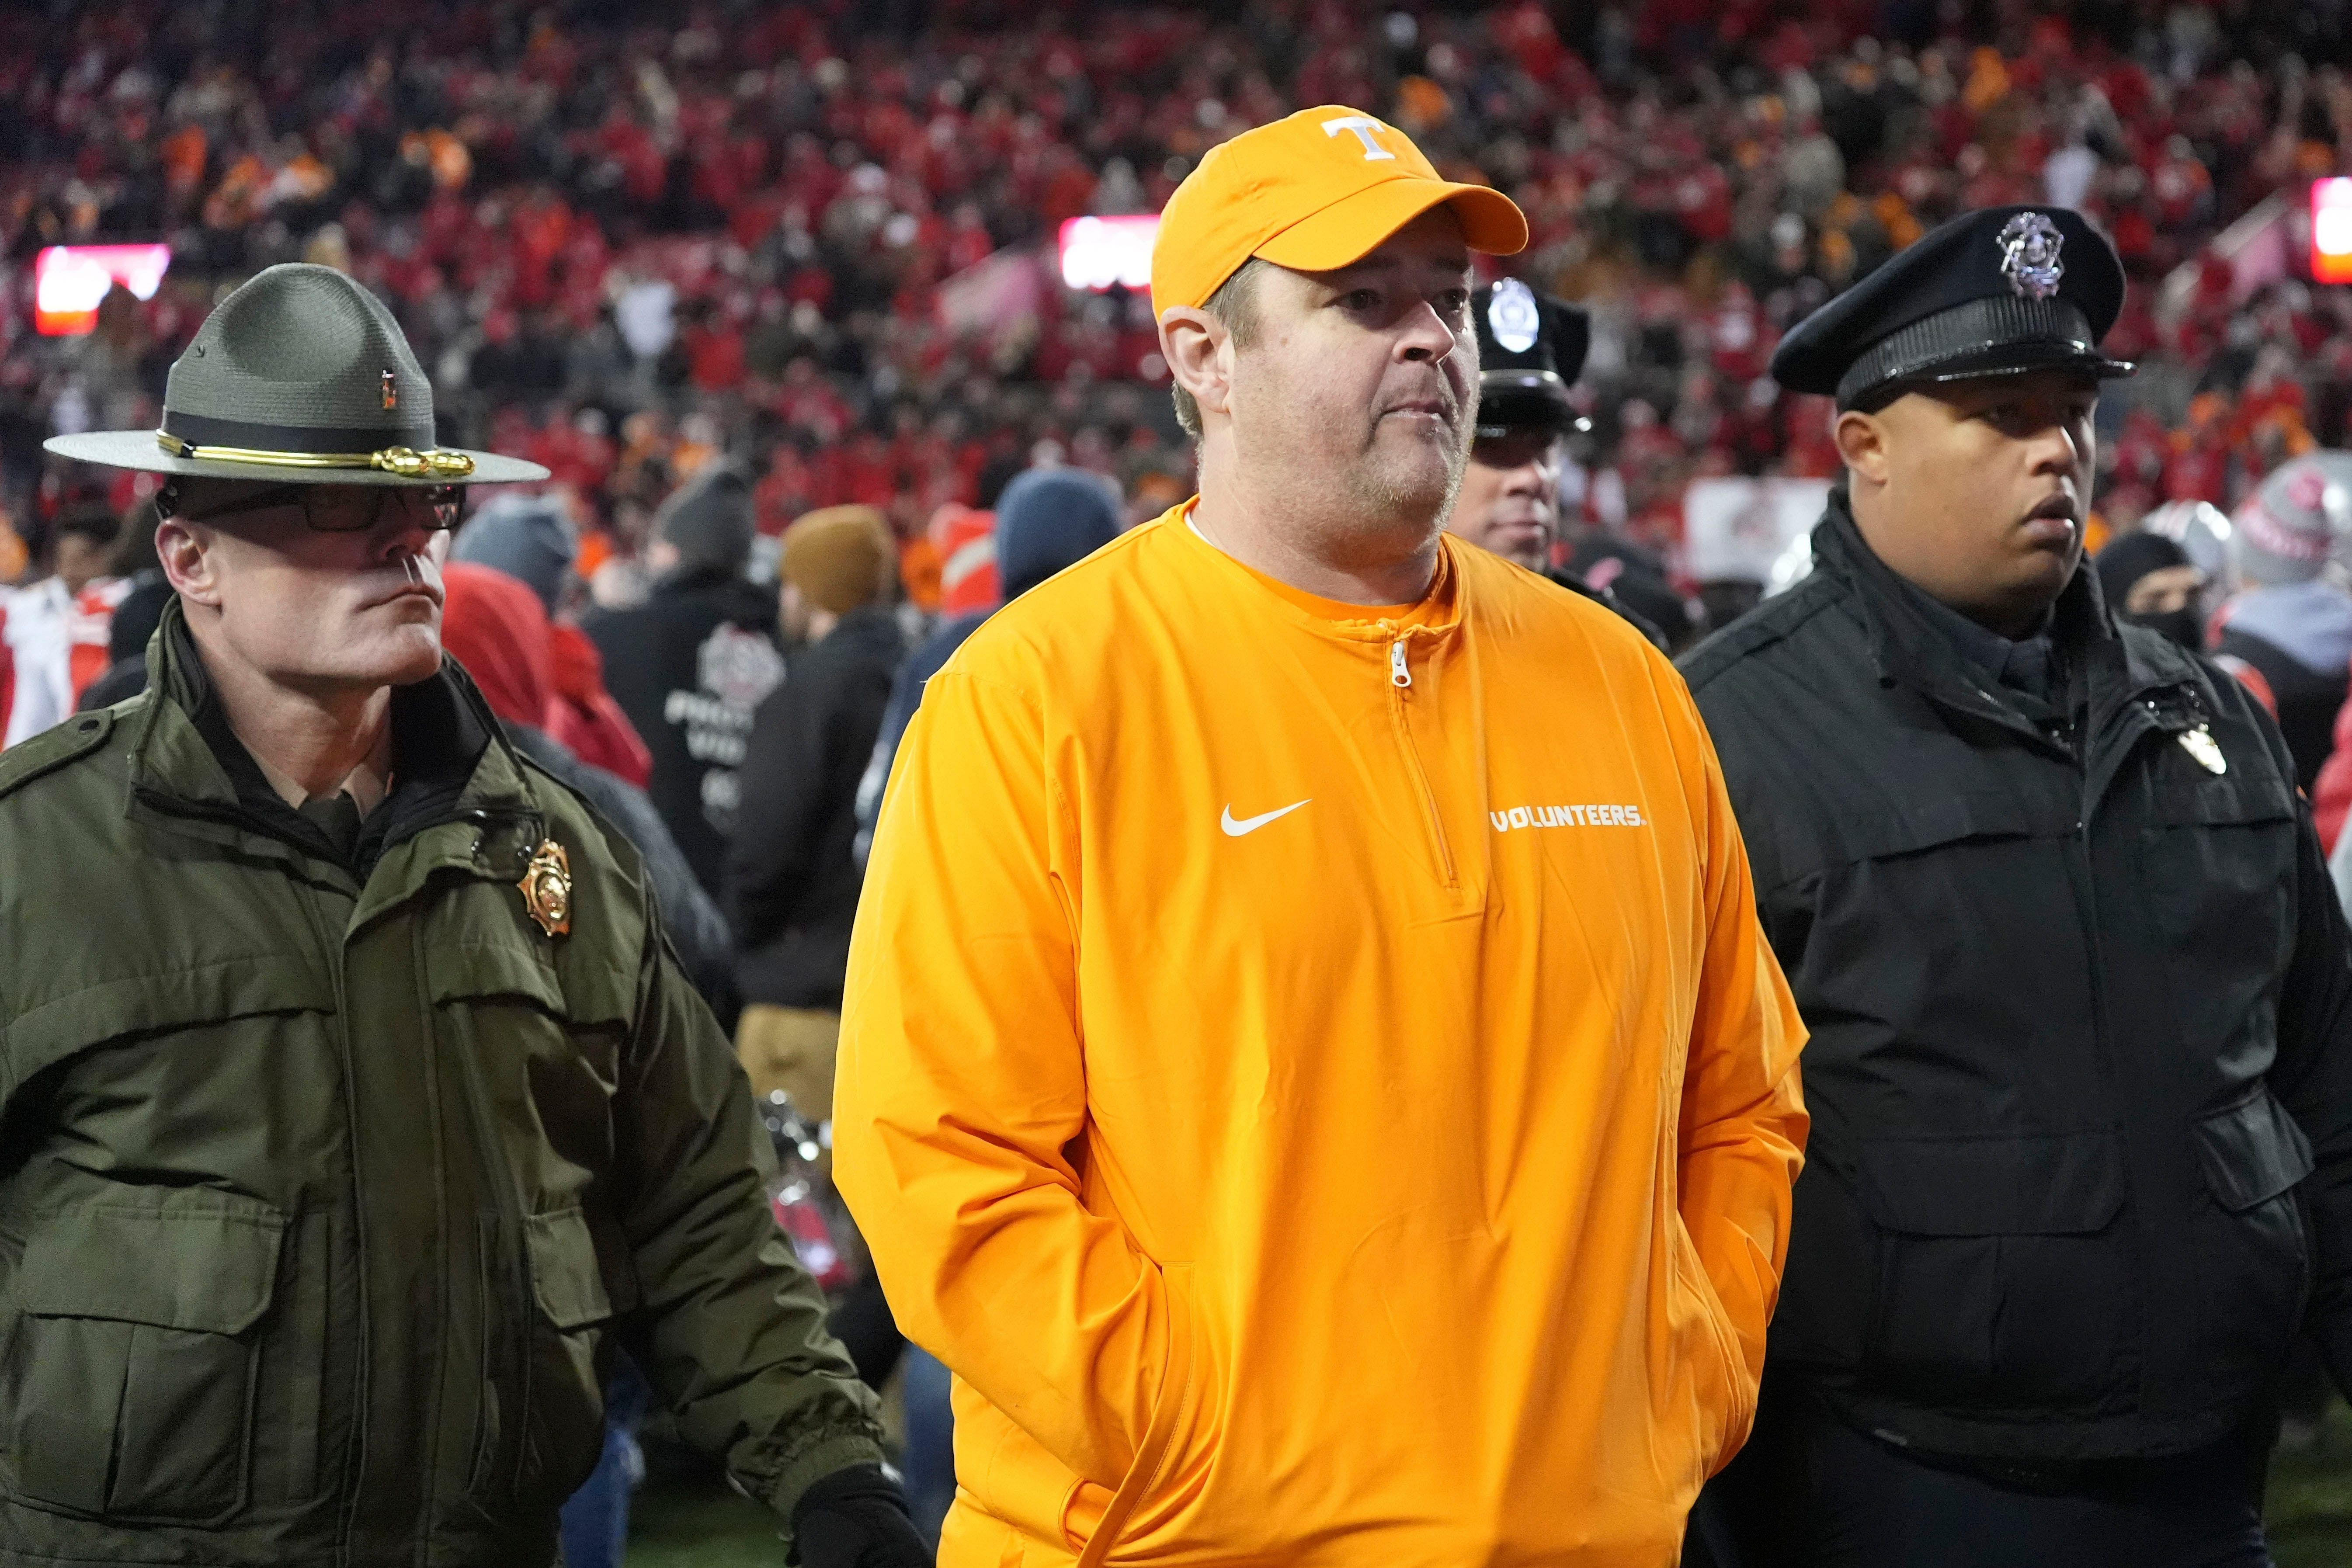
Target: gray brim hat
(300,377)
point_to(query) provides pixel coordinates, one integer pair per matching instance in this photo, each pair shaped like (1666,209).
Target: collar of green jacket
(452,763)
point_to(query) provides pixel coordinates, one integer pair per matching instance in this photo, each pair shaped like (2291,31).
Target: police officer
(355,1109)
(1531,348)
(2081,1063)
(1530,351)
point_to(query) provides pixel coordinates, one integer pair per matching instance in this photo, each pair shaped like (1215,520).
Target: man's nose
(405,529)
(1426,335)
(2056,450)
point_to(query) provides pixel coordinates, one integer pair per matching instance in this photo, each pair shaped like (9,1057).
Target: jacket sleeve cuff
(778,1479)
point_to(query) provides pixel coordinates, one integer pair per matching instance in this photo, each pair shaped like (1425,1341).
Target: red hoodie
(583,714)
(537,672)
(496,627)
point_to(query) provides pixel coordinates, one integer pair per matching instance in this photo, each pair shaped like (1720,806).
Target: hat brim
(2019,359)
(1990,364)
(1516,402)
(136,449)
(1355,225)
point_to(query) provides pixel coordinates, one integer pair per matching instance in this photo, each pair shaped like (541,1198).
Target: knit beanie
(840,558)
(2127,558)
(525,536)
(1049,518)
(709,520)
(2284,531)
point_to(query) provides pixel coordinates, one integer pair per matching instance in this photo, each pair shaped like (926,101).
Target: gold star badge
(547,888)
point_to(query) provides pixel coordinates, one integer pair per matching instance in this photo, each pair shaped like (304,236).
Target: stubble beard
(1390,501)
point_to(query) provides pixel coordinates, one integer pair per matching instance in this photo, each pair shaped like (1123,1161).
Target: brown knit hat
(841,558)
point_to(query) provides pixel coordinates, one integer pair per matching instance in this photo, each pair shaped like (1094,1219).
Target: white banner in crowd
(1734,529)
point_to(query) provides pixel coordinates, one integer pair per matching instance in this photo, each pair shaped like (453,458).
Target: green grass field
(2310,1503)
(690,1520)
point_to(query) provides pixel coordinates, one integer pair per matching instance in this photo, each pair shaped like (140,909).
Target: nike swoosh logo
(1235,829)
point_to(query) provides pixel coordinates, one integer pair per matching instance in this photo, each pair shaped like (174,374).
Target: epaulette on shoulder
(54,748)
(1760,627)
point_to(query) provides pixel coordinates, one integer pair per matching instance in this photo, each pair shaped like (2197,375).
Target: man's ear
(1200,355)
(1862,441)
(185,551)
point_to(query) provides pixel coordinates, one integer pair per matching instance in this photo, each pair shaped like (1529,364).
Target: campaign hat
(300,376)
(1999,291)
(1314,191)
(1531,348)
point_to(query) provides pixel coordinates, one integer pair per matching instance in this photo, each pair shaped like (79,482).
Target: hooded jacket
(1315,1075)
(792,882)
(330,1180)
(689,667)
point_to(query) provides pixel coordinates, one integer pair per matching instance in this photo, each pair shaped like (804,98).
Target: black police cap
(1530,351)
(1996,292)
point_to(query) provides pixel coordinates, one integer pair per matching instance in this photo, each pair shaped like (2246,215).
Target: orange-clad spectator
(966,542)
(919,572)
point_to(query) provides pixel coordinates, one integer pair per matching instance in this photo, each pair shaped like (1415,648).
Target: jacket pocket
(1168,1473)
(1725,1391)
(2218,867)
(2255,1267)
(564,1425)
(128,1389)
(2003,1283)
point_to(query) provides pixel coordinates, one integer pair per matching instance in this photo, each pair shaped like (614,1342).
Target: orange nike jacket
(1316,1075)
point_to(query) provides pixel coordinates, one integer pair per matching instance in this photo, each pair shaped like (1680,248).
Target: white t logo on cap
(1363,125)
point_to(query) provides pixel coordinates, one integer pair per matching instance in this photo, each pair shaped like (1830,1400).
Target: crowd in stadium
(625,249)
(769,293)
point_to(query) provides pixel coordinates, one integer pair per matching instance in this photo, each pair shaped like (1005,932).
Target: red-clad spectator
(585,717)
(528,540)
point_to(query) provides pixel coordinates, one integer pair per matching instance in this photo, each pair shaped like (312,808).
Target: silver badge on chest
(2030,244)
(2199,744)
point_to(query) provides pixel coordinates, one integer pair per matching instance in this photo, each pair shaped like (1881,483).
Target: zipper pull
(1400,676)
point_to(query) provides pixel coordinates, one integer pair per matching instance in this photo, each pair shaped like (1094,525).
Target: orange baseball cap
(1315,191)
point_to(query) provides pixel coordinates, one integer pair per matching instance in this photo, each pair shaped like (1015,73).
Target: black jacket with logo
(689,667)
(2081,1065)
(791,879)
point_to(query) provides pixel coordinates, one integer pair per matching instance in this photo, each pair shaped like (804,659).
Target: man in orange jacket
(1312,1071)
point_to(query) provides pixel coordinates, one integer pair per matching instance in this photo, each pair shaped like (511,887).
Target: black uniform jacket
(791,879)
(2081,1065)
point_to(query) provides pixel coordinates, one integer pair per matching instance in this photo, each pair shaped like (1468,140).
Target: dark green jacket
(325,1193)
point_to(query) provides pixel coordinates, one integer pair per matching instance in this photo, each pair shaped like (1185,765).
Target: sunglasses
(336,508)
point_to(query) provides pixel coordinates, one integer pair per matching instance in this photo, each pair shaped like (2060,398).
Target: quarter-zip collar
(1442,610)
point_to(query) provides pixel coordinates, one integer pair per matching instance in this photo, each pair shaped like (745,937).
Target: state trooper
(2081,1065)
(355,1109)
